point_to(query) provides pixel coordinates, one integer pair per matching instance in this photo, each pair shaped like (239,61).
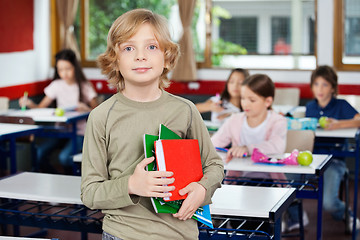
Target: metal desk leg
(357,152)
(13,166)
(320,206)
(277,229)
(73,138)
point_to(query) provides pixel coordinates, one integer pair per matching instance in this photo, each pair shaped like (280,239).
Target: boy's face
(140,59)
(322,90)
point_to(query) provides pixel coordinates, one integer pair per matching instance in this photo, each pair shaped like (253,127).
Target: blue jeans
(108,236)
(50,144)
(332,179)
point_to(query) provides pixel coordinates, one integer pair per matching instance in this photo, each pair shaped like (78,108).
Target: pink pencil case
(259,157)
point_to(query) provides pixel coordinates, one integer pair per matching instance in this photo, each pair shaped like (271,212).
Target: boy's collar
(329,105)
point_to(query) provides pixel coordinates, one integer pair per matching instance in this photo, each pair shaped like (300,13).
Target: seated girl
(256,127)
(228,102)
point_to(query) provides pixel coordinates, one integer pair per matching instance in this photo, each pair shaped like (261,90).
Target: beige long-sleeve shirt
(113,147)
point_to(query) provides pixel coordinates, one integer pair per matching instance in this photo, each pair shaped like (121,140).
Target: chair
(4,103)
(287,96)
(301,140)
(354,100)
(26,139)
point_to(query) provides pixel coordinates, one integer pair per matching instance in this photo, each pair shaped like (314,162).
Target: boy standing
(138,58)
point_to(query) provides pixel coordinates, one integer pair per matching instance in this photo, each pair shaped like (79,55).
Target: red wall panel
(16,25)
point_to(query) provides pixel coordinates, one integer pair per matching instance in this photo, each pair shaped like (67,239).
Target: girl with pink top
(256,127)
(71,90)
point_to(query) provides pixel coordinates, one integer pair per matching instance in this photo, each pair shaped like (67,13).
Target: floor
(331,229)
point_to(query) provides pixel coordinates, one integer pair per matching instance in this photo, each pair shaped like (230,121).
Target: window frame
(339,38)
(83,7)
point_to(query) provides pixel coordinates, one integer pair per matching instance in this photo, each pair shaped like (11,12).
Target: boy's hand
(332,124)
(150,183)
(196,195)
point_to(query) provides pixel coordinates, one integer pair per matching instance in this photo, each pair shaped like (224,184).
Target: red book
(182,157)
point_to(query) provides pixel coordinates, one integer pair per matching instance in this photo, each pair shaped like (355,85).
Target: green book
(166,133)
(202,214)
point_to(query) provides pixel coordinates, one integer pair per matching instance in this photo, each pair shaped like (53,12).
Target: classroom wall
(20,67)
(31,70)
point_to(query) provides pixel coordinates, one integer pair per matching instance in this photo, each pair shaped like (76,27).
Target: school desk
(64,190)
(46,201)
(345,150)
(47,115)
(9,132)
(305,189)
(266,204)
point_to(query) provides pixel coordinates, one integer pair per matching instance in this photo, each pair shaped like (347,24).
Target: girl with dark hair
(71,90)
(228,102)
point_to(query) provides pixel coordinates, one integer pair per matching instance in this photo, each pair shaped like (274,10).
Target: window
(237,33)
(347,37)
(267,34)
(242,31)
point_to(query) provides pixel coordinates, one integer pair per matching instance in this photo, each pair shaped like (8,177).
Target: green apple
(59,112)
(305,158)
(323,121)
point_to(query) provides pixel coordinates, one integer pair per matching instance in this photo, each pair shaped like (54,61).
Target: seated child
(256,127)
(228,102)
(341,114)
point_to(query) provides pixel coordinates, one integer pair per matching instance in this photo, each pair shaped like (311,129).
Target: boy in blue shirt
(340,115)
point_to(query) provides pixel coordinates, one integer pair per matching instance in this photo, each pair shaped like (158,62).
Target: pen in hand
(23,107)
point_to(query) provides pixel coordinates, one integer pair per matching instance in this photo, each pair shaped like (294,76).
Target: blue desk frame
(304,189)
(59,132)
(346,152)
(11,137)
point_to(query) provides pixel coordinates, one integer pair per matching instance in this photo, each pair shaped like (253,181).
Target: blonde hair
(123,29)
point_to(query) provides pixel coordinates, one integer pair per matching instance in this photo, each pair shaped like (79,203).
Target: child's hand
(223,116)
(26,102)
(196,195)
(239,152)
(332,124)
(150,183)
(82,107)
(216,107)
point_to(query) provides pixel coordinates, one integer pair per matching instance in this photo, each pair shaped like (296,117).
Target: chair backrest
(300,139)
(287,96)
(19,120)
(354,100)
(4,103)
